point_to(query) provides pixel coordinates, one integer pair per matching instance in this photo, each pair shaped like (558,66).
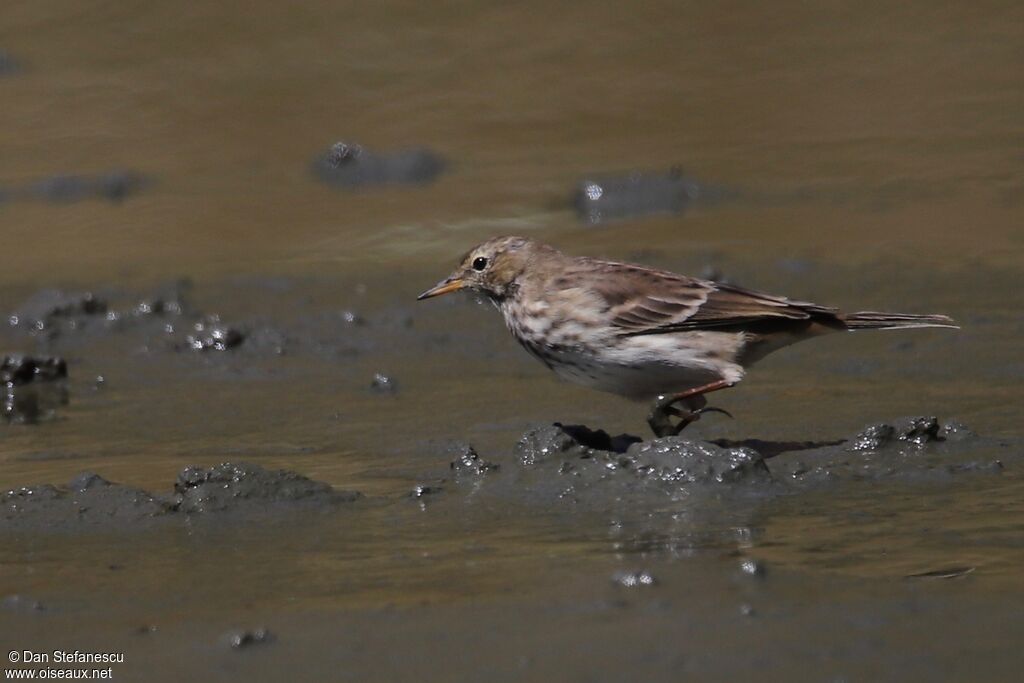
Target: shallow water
(872,159)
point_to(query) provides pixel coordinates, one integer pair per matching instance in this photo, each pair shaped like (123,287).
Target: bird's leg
(696,405)
(664,409)
(660,419)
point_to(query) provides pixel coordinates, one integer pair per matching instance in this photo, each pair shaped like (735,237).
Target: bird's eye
(479,263)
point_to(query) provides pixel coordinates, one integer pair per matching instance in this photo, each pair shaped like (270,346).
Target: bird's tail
(872,320)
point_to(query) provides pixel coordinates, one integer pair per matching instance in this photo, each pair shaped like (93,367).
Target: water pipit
(640,332)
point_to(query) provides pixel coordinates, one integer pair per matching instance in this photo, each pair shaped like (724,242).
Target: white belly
(647,367)
(638,367)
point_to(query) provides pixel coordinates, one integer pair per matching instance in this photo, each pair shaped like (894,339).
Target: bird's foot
(665,408)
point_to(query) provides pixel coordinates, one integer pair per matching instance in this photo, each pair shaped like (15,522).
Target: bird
(645,333)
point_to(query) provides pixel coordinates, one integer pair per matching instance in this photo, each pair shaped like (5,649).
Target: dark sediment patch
(351,166)
(633,195)
(238,490)
(51,312)
(113,186)
(209,333)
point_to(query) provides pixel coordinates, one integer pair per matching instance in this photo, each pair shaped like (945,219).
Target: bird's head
(490,268)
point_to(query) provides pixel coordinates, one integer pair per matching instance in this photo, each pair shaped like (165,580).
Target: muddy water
(872,157)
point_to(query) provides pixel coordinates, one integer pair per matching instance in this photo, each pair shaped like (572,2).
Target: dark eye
(479,263)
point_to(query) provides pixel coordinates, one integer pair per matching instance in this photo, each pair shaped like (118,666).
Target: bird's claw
(713,409)
(663,409)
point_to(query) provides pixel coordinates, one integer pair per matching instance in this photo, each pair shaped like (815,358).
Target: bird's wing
(646,301)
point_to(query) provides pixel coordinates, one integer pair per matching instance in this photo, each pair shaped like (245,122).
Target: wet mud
(550,466)
(560,464)
(230,486)
(90,502)
(194,366)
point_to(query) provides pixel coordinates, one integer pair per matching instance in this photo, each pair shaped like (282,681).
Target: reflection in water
(33,404)
(33,388)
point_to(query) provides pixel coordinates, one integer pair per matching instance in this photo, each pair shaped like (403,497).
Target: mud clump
(544,443)
(910,448)
(671,459)
(547,443)
(913,430)
(51,312)
(571,462)
(915,448)
(230,486)
(90,501)
(591,456)
(210,334)
(468,463)
(351,166)
(162,320)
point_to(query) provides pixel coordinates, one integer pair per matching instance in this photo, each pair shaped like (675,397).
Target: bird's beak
(450,284)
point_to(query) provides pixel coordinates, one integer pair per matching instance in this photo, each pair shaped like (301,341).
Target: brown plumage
(642,332)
